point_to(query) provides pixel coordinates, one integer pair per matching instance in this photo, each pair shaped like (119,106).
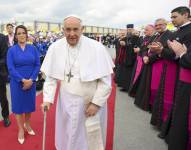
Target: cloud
(108,13)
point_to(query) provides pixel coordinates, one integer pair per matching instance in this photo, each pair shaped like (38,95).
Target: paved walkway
(132,128)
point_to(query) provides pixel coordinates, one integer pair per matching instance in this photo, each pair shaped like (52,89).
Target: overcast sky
(108,13)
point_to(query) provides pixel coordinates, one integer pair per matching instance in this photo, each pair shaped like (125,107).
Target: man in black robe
(141,50)
(164,97)
(142,84)
(129,59)
(179,137)
(119,52)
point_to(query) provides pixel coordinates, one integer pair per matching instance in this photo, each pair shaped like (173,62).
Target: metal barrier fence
(57,27)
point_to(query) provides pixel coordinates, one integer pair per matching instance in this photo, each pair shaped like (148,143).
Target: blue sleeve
(11,67)
(37,65)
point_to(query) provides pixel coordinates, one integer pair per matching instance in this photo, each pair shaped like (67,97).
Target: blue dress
(23,64)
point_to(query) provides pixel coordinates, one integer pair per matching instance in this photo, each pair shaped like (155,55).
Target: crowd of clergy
(155,69)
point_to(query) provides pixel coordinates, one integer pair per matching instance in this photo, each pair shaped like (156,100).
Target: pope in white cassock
(84,68)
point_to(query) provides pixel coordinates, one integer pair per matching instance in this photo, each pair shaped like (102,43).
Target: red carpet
(8,136)
(111,117)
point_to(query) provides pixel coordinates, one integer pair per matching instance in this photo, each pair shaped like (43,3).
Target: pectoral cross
(69,75)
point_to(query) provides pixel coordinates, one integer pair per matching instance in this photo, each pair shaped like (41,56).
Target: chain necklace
(71,64)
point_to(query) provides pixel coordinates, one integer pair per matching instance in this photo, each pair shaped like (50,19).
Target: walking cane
(44,129)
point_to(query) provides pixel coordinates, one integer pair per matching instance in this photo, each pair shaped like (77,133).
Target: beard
(129,34)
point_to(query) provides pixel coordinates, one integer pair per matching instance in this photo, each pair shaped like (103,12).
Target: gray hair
(161,19)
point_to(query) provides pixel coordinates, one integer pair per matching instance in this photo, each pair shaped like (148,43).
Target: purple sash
(157,68)
(185,75)
(169,87)
(189,128)
(138,68)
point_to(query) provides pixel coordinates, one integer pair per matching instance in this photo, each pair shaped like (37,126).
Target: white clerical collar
(185,24)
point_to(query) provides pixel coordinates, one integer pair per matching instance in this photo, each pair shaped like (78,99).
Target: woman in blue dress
(23,64)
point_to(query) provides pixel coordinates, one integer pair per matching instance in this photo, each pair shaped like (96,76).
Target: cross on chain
(69,75)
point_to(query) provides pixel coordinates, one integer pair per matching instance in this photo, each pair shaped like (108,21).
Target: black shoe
(123,90)
(161,136)
(6,122)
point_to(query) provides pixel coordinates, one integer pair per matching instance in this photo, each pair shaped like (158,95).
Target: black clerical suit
(179,137)
(126,67)
(3,78)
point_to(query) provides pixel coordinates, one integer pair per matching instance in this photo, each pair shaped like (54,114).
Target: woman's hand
(27,84)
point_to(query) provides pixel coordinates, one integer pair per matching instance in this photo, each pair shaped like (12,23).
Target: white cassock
(91,67)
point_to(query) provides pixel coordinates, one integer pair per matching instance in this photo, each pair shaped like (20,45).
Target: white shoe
(29,132)
(21,141)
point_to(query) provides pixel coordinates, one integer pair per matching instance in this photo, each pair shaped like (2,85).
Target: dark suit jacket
(3,56)
(7,40)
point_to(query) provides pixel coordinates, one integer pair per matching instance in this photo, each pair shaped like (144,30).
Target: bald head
(72,29)
(149,30)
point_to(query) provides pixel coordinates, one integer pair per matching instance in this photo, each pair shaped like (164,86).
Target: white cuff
(49,89)
(182,54)
(103,91)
